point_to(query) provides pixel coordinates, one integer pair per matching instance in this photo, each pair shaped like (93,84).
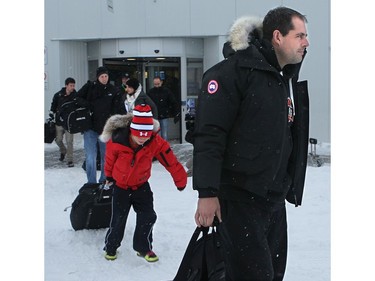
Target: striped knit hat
(142,123)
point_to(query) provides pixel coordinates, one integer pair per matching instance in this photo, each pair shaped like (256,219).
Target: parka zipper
(283,136)
(133,160)
(290,84)
(134,154)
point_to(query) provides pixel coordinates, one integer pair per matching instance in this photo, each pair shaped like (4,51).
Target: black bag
(75,119)
(203,259)
(189,121)
(49,131)
(92,208)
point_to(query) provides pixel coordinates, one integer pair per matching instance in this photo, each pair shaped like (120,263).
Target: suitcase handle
(101,195)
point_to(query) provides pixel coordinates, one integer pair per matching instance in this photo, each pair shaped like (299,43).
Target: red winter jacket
(131,168)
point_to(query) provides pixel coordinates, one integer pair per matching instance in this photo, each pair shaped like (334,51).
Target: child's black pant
(142,201)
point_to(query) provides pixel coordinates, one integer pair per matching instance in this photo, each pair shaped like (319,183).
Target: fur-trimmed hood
(243,30)
(120,121)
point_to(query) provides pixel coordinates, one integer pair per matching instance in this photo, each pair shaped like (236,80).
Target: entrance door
(145,69)
(170,74)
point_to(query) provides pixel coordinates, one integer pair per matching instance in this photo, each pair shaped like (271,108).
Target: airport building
(175,39)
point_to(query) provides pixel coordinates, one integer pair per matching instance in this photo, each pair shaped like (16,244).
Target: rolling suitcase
(92,208)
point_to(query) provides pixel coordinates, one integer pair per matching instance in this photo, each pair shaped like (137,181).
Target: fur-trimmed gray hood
(242,30)
(241,33)
(120,121)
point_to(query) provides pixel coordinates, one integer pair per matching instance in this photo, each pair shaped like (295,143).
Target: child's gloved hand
(109,181)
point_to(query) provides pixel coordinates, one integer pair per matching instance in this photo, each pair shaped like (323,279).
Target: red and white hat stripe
(142,127)
(142,113)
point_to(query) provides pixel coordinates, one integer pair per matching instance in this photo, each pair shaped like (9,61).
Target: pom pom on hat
(142,123)
(132,83)
(101,70)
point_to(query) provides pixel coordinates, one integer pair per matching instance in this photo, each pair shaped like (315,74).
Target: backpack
(74,118)
(203,259)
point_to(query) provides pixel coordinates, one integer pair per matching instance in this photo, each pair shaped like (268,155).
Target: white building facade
(175,39)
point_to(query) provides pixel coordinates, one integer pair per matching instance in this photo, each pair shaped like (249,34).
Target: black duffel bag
(49,131)
(203,259)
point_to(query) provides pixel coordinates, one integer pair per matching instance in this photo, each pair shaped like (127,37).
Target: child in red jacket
(132,143)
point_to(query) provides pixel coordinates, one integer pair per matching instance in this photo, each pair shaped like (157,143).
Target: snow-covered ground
(77,255)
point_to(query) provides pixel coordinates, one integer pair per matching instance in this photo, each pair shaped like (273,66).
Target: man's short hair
(280,19)
(69,80)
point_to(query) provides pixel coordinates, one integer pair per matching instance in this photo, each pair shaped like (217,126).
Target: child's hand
(108,183)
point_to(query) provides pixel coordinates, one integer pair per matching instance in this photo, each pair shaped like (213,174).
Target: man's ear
(276,37)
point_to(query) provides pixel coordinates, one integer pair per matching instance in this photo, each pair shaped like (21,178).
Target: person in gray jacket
(251,142)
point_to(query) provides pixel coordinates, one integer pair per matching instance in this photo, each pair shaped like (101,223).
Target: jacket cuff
(207,192)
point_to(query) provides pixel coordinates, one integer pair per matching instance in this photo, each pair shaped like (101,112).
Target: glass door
(145,69)
(170,75)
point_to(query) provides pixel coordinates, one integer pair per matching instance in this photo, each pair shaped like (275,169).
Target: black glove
(110,179)
(51,116)
(181,188)
(108,183)
(177,118)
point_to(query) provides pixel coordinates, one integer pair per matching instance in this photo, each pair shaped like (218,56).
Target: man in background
(166,104)
(66,94)
(103,99)
(124,77)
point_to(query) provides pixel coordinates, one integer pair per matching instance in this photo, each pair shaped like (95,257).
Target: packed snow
(78,255)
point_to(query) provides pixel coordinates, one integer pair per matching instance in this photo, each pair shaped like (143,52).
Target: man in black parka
(104,100)
(251,142)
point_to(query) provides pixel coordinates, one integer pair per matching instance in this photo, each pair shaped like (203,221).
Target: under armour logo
(143,134)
